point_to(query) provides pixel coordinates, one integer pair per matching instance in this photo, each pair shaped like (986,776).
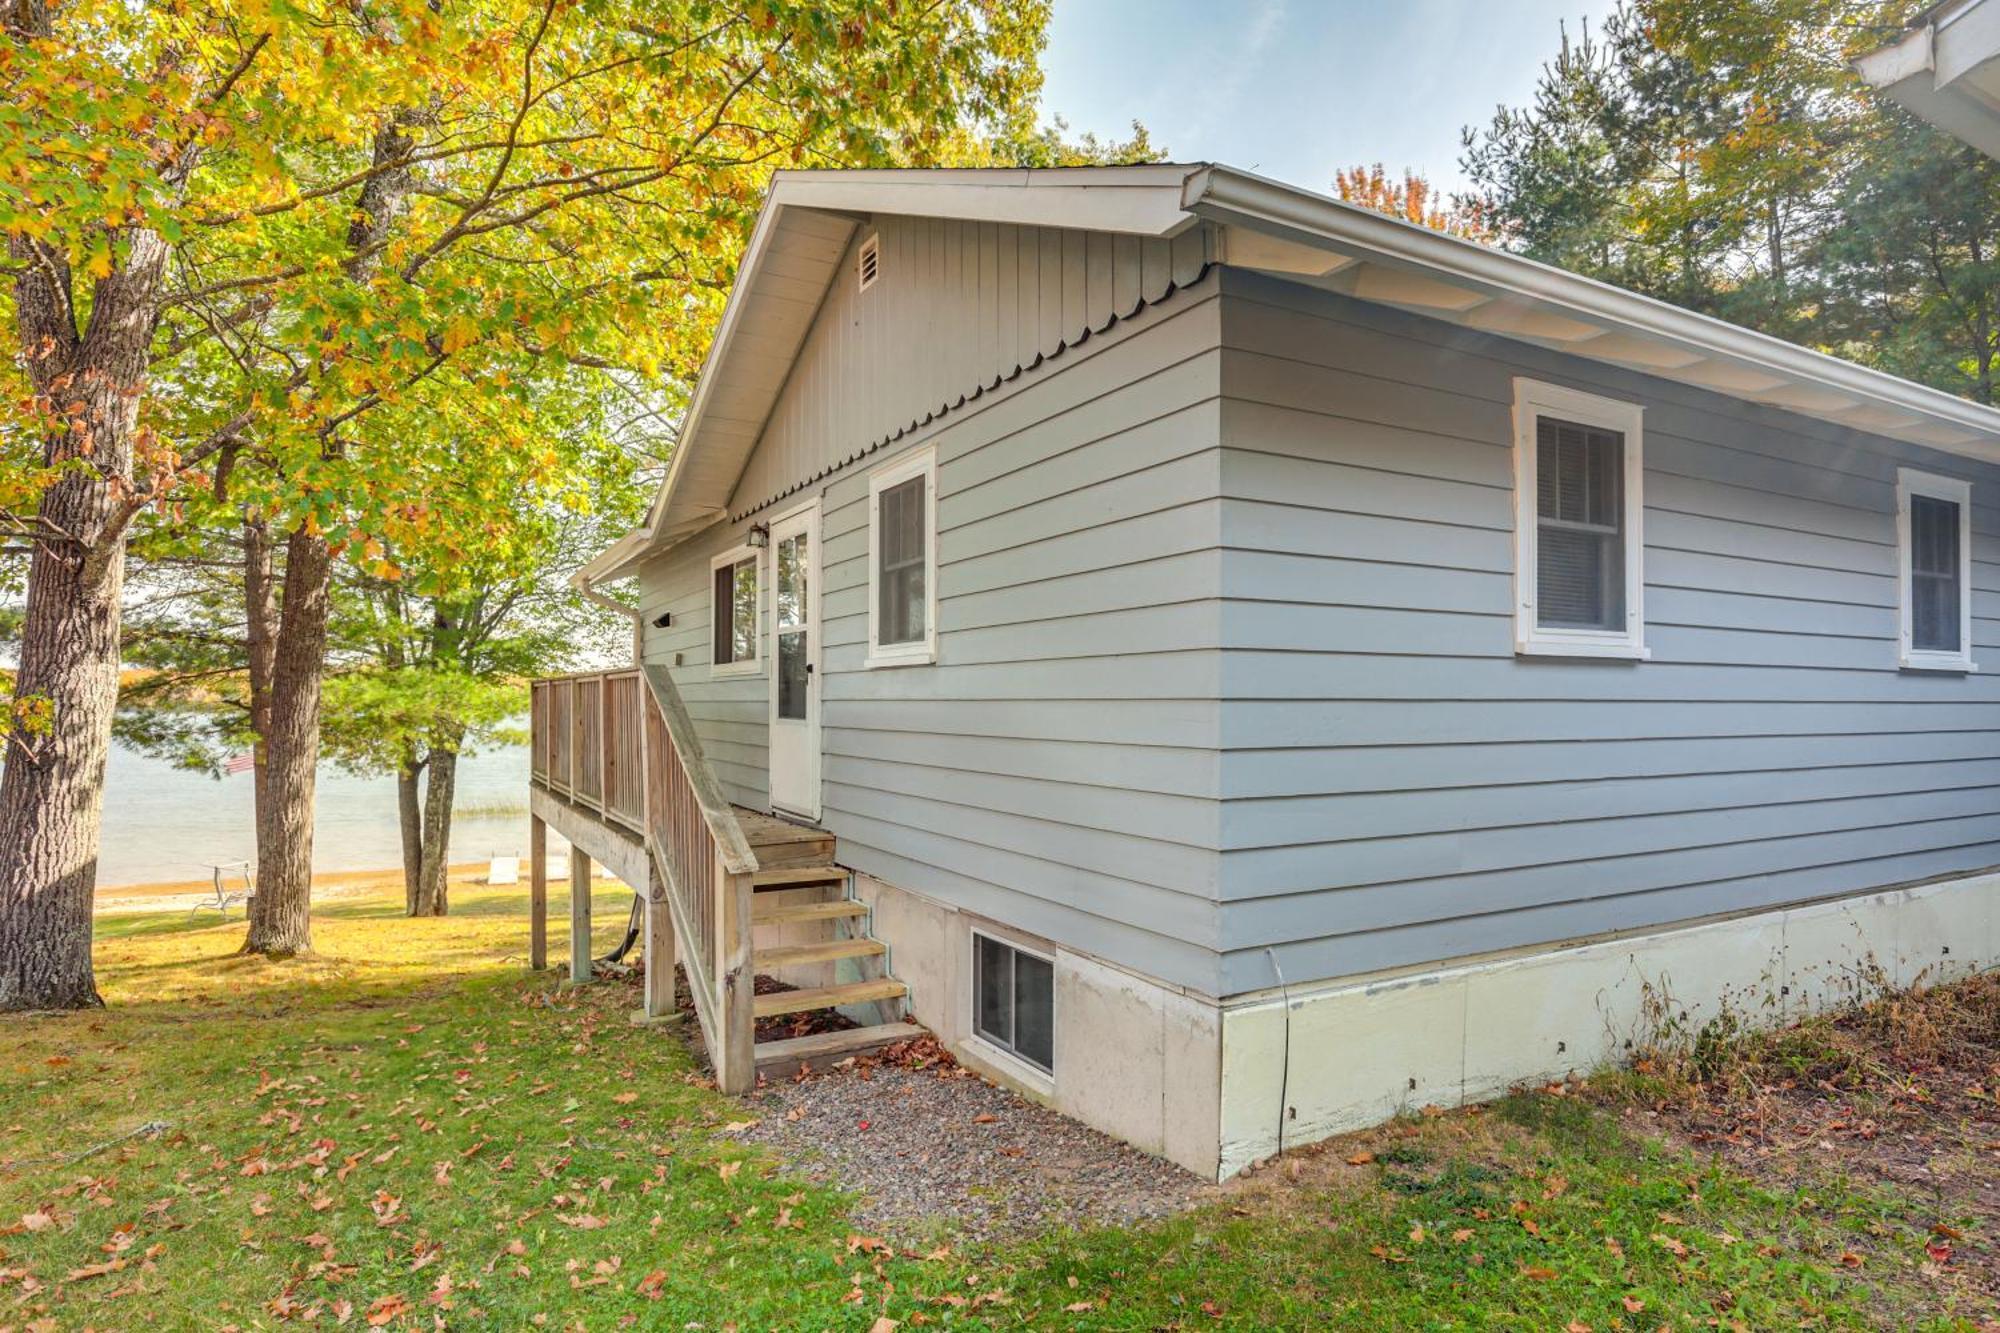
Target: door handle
(809,668)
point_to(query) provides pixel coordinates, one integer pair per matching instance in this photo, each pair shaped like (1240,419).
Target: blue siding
(1400,788)
(1058,767)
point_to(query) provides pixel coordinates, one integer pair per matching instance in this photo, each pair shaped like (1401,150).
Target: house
(1237,666)
(1946,68)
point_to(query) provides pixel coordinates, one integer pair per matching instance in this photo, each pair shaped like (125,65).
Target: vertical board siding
(1057,769)
(959,308)
(1398,787)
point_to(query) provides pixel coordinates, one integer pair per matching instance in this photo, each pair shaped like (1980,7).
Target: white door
(795,662)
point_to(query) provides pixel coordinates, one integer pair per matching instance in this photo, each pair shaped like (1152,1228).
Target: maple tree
(1412,199)
(296,266)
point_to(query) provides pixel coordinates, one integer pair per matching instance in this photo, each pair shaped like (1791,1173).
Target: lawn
(411,1130)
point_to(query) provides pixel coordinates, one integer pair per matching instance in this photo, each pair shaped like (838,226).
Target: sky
(1297,89)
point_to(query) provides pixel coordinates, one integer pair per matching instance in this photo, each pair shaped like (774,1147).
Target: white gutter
(1226,195)
(581,583)
(1931,70)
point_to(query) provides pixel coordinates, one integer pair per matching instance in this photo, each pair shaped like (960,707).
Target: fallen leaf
(1079,1307)
(386,1308)
(1633,1305)
(1670,1245)
(1538,1274)
(1362,1158)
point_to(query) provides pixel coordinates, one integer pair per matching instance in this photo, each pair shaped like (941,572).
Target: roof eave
(1225,195)
(1931,69)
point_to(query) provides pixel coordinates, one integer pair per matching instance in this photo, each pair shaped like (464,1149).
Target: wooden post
(538,893)
(659,951)
(579,915)
(736,1067)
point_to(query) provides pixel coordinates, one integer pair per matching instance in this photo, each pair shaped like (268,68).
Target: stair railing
(621,743)
(705,868)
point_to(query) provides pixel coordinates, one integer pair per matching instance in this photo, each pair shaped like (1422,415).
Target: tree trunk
(260,616)
(432,897)
(87,389)
(410,818)
(280,916)
(52,788)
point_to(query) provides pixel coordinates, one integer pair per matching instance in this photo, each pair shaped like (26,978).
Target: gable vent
(868,264)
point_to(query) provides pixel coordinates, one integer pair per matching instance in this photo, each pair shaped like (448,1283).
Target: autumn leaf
(1362,1158)
(1670,1245)
(1538,1274)
(387,1308)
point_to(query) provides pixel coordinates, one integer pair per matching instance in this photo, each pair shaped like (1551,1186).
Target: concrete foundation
(1212,1085)
(1134,1058)
(1365,1049)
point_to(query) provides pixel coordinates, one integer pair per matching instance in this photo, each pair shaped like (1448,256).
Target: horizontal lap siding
(1057,768)
(1399,787)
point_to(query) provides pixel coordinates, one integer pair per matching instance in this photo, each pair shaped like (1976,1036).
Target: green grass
(410,1124)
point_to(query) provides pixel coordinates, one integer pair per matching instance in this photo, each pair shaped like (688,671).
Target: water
(165,823)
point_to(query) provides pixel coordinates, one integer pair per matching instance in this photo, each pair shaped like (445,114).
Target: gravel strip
(938,1153)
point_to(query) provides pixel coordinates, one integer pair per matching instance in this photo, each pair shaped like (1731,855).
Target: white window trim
(1023,1068)
(754,666)
(1534,399)
(1911,482)
(918,462)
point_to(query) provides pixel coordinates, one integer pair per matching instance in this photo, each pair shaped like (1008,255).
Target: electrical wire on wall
(1285,1064)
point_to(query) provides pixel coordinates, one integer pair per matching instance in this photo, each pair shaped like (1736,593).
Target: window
(1577,509)
(733,613)
(902,562)
(1934,540)
(1014,1001)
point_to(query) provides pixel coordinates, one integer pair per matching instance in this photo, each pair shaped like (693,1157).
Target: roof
(1946,69)
(809,217)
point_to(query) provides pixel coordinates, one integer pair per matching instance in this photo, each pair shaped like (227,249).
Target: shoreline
(164,895)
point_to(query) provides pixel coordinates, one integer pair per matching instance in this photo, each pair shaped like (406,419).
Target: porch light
(760,536)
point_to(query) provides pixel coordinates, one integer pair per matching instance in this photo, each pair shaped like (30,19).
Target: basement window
(1014,1001)
(1934,565)
(733,612)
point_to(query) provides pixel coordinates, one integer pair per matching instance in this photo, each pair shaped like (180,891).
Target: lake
(165,823)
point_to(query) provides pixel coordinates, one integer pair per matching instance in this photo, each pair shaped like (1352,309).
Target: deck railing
(621,744)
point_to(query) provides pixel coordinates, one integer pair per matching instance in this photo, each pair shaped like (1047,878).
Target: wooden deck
(617,768)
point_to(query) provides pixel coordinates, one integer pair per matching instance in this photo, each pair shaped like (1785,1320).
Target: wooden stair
(796,873)
(829,997)
(825,1048)
(824,951)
